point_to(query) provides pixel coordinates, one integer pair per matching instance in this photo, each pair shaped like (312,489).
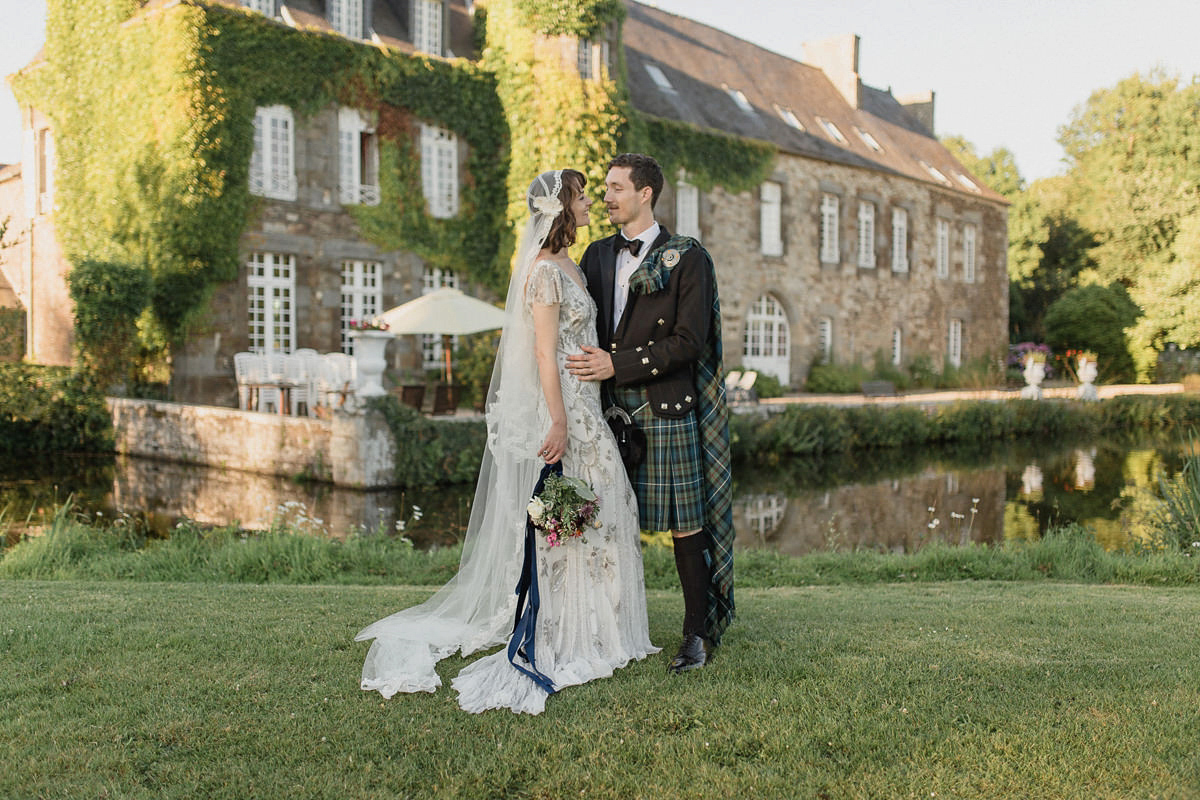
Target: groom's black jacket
(662,334)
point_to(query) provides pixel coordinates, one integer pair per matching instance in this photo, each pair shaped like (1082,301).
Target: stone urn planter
(1087,370)
(369,347)
(1035,373)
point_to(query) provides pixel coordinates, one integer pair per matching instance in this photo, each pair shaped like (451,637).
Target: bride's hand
(555,444)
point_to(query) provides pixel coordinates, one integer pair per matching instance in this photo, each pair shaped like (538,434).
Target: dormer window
(660,79)
(789,116)
(427,26)
(966,182)
(346,17)
(266,7)
(740,100)
(832,130)
(935,173)
(868,140)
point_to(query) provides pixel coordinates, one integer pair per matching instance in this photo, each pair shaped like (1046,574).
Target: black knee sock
(694,577)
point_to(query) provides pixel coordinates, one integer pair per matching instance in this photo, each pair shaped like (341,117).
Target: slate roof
(703,63)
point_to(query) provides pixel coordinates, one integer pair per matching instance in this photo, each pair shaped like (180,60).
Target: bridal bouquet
(564,509)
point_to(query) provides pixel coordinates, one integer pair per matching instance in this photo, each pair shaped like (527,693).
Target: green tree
(998,169)
(1095,318)
(1048,251)
(1134,155)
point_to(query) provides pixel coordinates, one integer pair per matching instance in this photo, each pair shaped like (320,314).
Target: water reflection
(891,501)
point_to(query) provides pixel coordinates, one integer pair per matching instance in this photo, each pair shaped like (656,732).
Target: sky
(1006,73)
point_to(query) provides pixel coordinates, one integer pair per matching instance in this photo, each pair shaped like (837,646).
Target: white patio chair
(731,380)
(296,376)
(311,361)
(337,378)
(245,372)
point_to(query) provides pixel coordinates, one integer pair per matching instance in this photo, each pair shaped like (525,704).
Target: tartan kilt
(669,483)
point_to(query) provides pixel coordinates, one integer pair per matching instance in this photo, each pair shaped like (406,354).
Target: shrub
(51,409)
(835,378)
(431,451)
(109,298)
(1094,318)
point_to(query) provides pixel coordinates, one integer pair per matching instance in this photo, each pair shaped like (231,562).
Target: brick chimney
(920,106)
(837,57)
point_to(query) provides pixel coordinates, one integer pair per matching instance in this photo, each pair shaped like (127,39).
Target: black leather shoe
(691,655)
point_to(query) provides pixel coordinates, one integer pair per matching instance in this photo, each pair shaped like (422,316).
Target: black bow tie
(634,245)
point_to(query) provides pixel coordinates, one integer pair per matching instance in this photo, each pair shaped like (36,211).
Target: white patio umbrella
(447,312)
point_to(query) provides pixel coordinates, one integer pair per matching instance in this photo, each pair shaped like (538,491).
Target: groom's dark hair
(643,171)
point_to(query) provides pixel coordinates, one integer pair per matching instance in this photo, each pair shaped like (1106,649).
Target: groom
(659,326)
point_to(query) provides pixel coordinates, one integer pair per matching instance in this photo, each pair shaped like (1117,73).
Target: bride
(593,603)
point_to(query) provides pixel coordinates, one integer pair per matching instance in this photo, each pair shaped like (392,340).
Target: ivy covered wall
(153,113)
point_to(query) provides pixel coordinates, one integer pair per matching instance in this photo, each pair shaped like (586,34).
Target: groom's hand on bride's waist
(593,364)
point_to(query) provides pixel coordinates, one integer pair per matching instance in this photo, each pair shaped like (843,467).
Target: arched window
(766,344)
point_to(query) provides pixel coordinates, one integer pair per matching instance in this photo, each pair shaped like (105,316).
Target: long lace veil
(474,610)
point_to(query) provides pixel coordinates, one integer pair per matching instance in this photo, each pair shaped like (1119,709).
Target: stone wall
(355,450)
(865,304)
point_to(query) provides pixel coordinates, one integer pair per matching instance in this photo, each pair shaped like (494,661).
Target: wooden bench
(878,388)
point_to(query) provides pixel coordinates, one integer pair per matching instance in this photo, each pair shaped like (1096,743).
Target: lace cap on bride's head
(543,193)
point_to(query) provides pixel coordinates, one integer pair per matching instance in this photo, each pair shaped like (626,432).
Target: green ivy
(709,158)
(582,18)
(431,451)
(160,179)
(109,298)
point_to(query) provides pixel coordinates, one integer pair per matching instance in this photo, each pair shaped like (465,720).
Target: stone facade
(865,304)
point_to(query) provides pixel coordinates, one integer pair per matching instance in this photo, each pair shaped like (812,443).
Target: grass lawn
(947,690)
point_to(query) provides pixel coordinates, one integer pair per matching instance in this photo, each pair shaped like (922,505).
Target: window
(261,6)
(868,140)
(942,252)
(432,356)
(966,182)
(740,100)
(954,347)
(272,164)
(427,26)
(935,173)
(969,253)
(44,179)
(271,285)
(592,59)
(832,130)
(866,234)
(897,346)
(789,116)
(687,209)
(358,159)
(439,170)
(899,240)
(825,339)
(360,297)
(346,17)
(772,234)
(829,229)
(660,79)
(766,345)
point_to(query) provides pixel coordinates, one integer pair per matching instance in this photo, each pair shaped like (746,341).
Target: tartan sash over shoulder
(712,414)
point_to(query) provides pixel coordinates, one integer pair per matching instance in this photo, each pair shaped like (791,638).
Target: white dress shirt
(627,264)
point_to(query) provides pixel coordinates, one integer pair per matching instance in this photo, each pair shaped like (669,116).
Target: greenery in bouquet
(564,510)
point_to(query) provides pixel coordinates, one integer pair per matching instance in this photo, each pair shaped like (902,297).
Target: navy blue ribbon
(528,600)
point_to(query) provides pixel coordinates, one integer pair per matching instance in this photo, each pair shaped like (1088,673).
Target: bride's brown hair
(562,230)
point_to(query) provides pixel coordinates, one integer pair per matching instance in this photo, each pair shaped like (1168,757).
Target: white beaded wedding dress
(593,605)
